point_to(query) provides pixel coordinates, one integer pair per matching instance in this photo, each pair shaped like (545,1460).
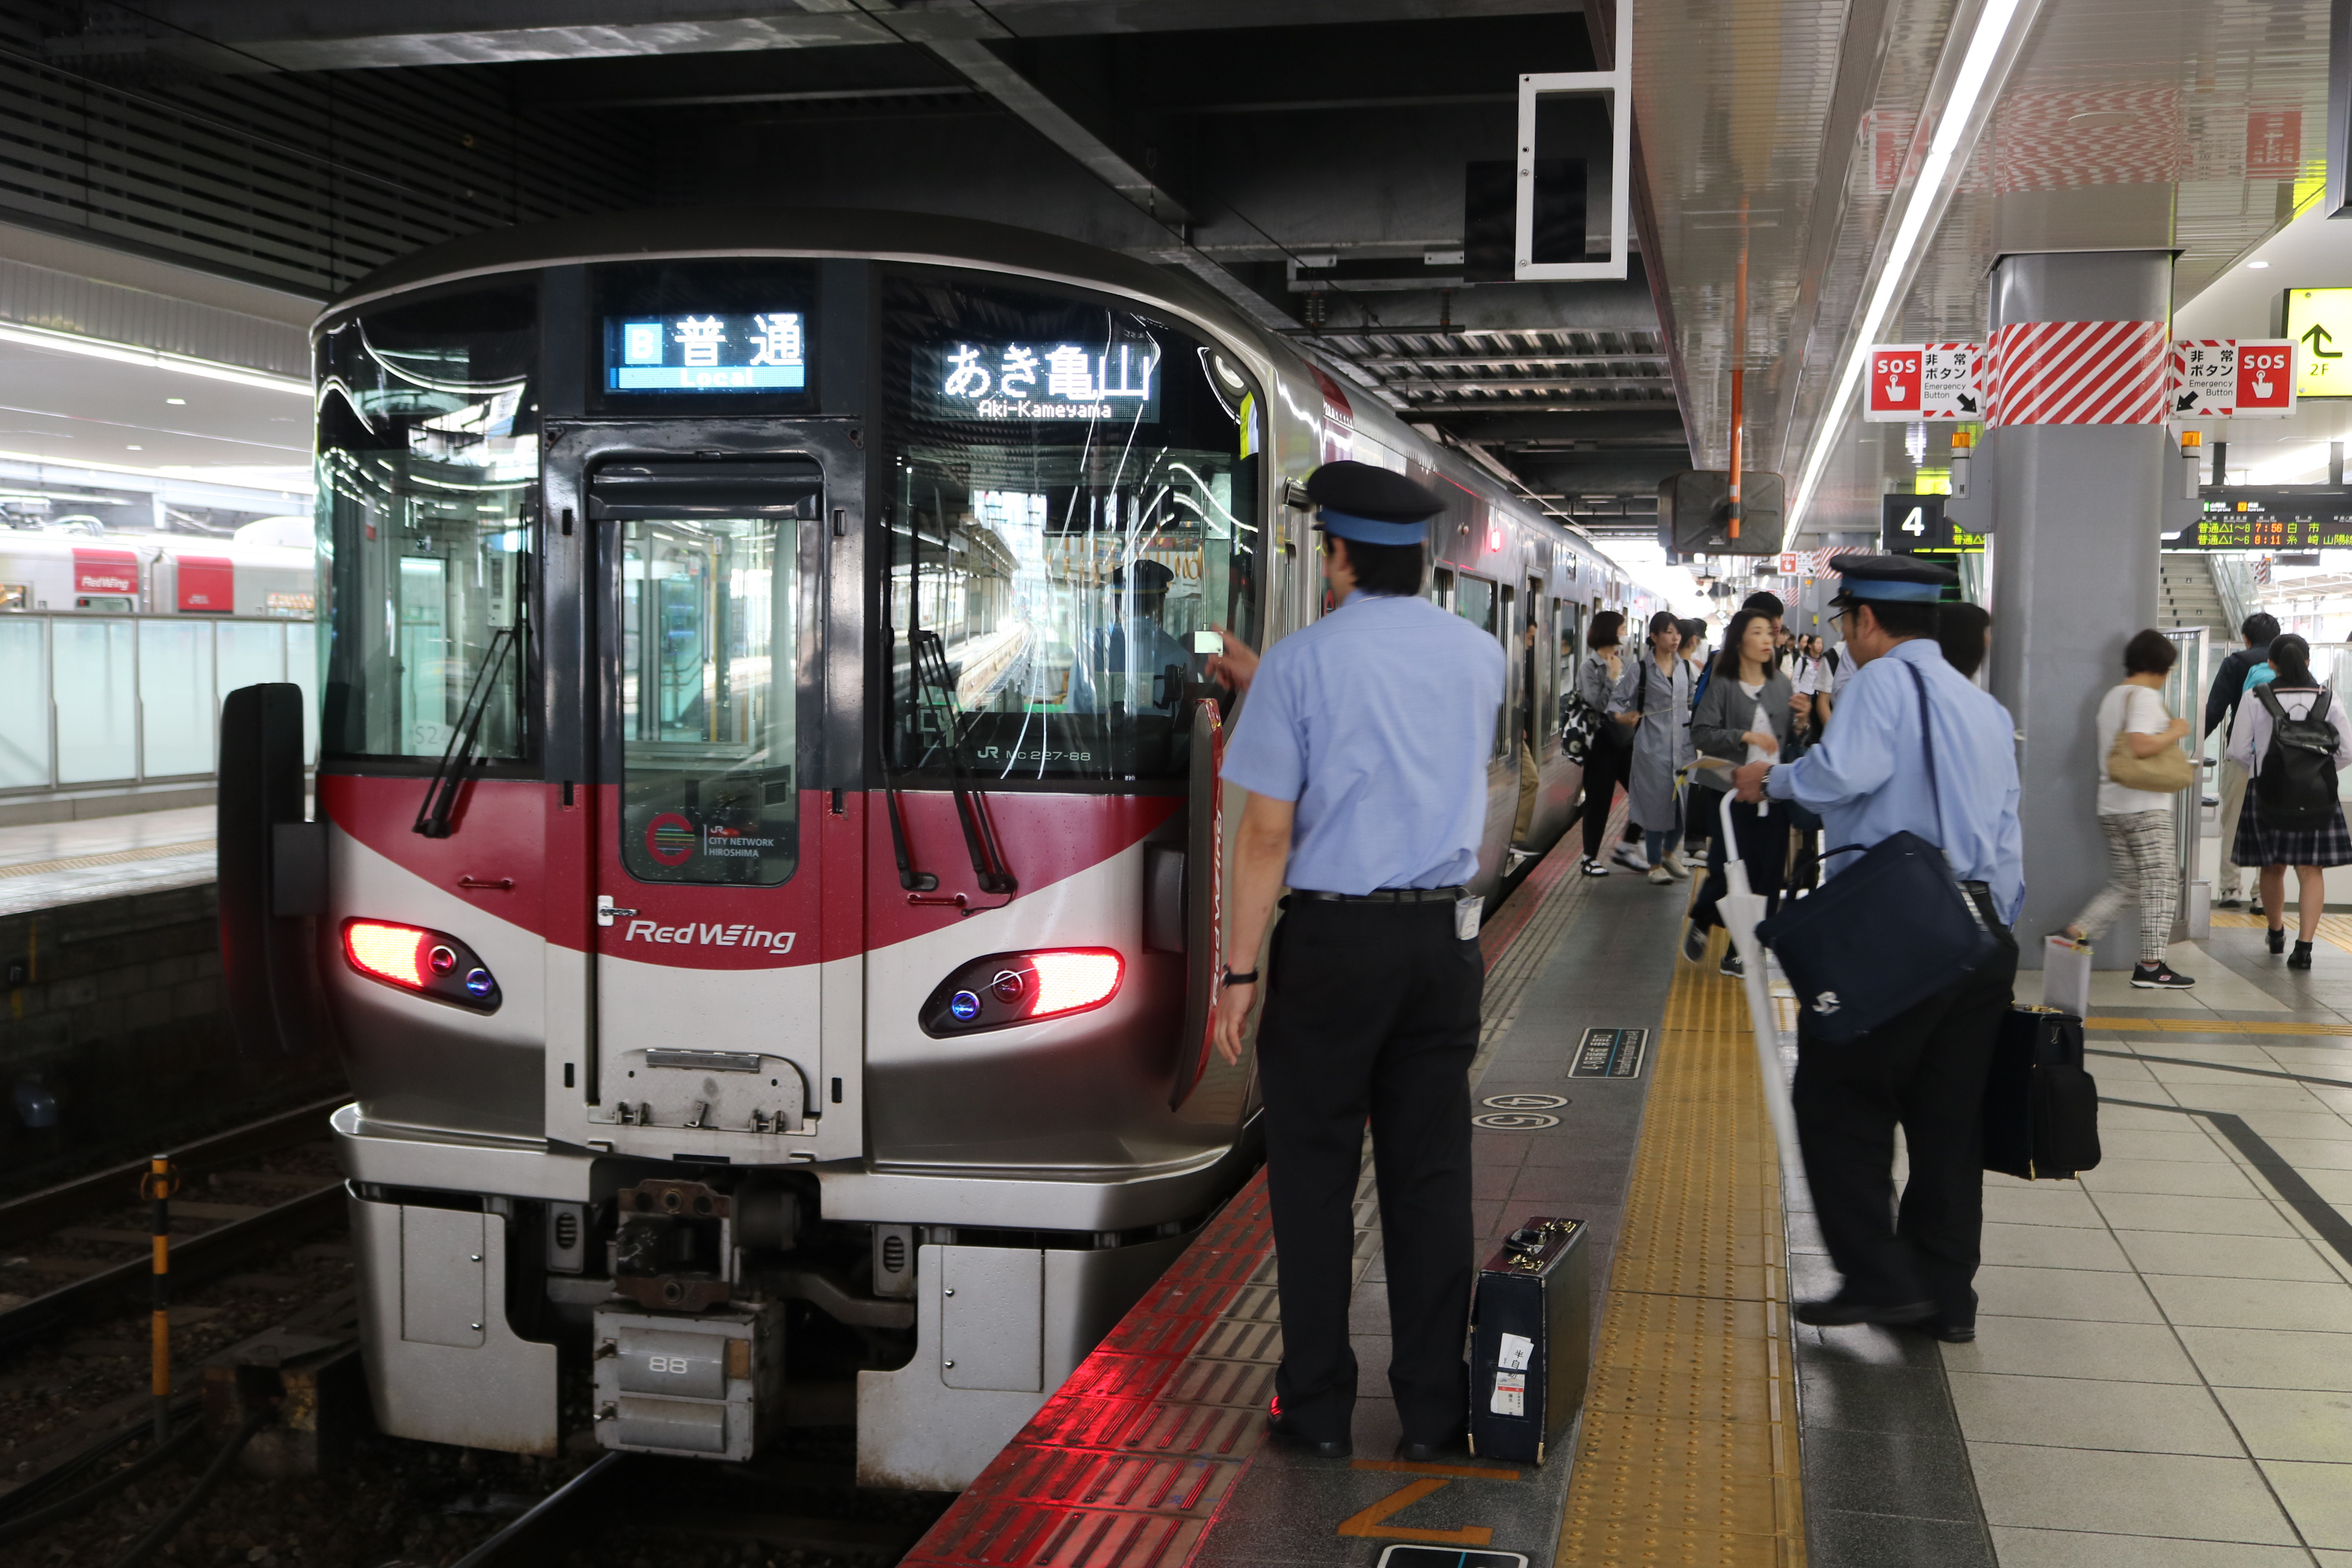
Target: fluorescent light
(176,402)
(2257,266)
(153,359)
(1976,65)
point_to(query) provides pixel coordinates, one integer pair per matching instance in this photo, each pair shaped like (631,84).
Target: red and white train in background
(765,878)
(160,573)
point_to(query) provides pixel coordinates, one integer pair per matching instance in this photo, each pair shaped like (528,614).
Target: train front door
(710,1008)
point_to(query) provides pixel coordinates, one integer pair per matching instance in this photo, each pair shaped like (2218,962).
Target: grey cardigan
(1724,713)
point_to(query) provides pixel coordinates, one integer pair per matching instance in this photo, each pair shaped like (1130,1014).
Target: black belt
(1980,894)
(1387,896)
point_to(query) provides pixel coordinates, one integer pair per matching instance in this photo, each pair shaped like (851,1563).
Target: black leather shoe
(1839,1311)
(2276,936)
(1453,1449)
(2300,957)
(1946,1330)
(1279,1425)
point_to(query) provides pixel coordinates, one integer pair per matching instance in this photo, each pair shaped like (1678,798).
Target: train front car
(772,871)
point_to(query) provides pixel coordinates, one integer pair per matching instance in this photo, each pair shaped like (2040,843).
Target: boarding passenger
(1742,716)
(2291,814)
(2137,823)
(1363,748)
(1925,1069)
(1652,702)
(1612,746)
(2222,714)
(1964,631)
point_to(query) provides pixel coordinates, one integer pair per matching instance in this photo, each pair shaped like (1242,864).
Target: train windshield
(428,447)
(1074,498)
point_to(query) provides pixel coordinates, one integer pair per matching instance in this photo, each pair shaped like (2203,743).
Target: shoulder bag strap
(1928,747)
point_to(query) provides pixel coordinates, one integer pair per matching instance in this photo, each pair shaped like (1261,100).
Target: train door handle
(605,913)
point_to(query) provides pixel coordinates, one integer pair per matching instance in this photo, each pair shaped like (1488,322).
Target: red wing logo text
(692,935)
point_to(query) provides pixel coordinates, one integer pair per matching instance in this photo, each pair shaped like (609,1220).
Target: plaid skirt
(2327,845)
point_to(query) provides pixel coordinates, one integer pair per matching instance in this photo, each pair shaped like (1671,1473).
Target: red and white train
(766,875)
(158,574)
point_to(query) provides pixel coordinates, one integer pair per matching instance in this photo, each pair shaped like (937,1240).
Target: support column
(2076,508)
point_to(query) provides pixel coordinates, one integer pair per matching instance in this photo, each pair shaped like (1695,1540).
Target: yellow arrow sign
(2320,323)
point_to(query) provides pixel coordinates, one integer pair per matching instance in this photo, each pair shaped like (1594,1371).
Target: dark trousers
(1372,1011)
(1604,770)
(1763,850)
(1925,1070)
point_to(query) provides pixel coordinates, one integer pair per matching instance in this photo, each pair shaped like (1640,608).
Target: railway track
(63,1232)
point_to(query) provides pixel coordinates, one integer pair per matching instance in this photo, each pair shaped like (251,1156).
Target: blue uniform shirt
(1868,778)
(1378,719)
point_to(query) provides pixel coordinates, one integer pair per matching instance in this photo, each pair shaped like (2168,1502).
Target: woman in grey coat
(1743,716)
(1652,701)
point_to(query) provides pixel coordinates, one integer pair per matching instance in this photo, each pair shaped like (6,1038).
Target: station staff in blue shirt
(1363,748)
(1925,1068)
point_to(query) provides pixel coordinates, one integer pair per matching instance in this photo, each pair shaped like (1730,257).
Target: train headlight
(1008,988)
(429,962)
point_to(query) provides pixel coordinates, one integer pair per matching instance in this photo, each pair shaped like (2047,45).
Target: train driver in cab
(1363,749)
(1124,663)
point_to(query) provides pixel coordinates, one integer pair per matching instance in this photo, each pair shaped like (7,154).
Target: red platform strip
(1132,1460)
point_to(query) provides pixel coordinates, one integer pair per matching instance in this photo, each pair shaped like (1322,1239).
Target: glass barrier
(119,699)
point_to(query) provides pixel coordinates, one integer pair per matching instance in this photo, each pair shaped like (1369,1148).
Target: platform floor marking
(1372,1521)
(1687,1452)
(111,858)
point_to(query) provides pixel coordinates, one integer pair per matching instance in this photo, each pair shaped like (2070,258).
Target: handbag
(2166,773)
(1882,936)
(2041,1109)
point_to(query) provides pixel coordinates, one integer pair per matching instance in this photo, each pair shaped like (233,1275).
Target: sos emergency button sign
(2233,378)
(1923,381)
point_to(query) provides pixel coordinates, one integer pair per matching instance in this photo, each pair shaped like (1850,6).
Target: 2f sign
(1894,391)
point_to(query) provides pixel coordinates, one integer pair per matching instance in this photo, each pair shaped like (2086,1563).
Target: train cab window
(428,446)
(1075,495)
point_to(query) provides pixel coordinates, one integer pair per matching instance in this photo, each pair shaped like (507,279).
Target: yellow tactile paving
(1688,1453)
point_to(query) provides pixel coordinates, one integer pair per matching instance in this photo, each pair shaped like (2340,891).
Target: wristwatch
(1234,979)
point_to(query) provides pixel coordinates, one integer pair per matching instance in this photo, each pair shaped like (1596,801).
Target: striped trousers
(2139,865)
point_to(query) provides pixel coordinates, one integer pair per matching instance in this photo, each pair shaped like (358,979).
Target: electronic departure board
(694,351)
(2272,519)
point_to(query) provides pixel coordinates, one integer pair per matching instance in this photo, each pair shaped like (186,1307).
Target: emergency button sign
(1894,370)
(2265,377)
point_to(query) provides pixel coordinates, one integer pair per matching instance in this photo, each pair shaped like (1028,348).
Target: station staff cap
(1370,505)
(1897,579)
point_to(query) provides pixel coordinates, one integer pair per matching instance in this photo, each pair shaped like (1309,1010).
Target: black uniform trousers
(1763,850)
(1371,1010)
(1604,769)
(1923,1069)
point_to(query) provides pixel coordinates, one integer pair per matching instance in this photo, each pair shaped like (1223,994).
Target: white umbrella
(1739,910)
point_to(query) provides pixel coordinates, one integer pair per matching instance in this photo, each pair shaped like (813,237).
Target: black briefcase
(1530,1341)
(2041,1108)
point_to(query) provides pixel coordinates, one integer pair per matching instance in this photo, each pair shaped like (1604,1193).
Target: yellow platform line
(1689,1453)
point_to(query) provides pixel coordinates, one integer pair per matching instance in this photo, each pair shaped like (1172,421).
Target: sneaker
(2254,906)
(2159,976)
(1694,942)
(2300,957)
(1593,867)
(2228,901)
(1731,965)
(1674,867)
(1658,876)
(1629,857)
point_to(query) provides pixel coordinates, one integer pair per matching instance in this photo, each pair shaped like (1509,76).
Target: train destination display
(765,351)
(2270,520)
(1117,380)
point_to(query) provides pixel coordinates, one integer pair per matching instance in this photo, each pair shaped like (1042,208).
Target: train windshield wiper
(441,791)
(935,687)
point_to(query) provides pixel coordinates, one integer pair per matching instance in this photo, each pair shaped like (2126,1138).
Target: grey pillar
(2077,510)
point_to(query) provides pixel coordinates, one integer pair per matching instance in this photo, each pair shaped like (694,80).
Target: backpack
(2296,784)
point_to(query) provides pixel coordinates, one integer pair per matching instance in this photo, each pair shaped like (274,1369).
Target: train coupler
(710,1384)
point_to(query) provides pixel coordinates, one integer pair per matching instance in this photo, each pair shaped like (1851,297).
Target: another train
(261,571)
(766,877)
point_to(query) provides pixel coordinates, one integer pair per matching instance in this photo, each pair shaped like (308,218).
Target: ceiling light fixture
(154,359)
(2257,266)
(176,402)
(1992,30)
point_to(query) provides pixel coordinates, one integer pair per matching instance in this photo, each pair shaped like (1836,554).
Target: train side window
(1441,588)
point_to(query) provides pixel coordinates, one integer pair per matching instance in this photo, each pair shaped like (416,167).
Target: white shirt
(1761,724)
(2250,736)
(2140,711)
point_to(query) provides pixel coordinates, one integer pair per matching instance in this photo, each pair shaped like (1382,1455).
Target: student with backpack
(2292,737)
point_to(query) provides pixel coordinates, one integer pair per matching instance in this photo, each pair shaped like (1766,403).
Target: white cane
(1739,910)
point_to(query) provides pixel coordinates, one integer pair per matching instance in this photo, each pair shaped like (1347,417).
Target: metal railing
(93,701)
(2233,585)
(2184,695)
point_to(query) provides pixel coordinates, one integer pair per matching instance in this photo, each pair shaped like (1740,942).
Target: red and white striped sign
(2233,378)
(2077,372)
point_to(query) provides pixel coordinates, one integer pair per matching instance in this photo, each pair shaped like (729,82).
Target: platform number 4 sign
(1914,522)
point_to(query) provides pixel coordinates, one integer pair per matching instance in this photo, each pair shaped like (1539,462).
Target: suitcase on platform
(1530,1341)
(2041,1108)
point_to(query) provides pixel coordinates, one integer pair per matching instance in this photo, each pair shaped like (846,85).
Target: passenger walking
(1652,703)
(2137,823)
(1363,749)
(2222,714)
(2291,815)
(1743,716)
(1612,746)
(1925,1069)
(1964,631)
